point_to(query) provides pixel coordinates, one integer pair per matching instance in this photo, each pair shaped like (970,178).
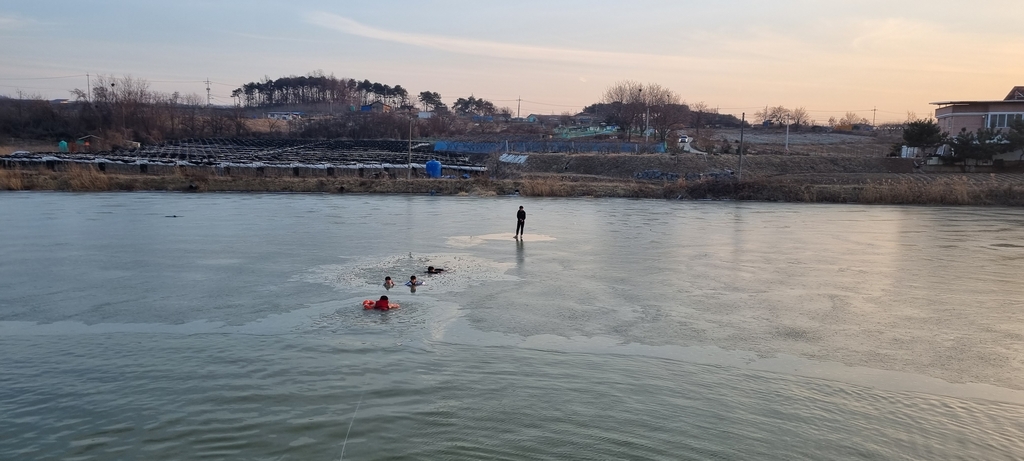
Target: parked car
(683,139)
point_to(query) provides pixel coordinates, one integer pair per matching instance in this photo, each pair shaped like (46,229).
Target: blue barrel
(434,169)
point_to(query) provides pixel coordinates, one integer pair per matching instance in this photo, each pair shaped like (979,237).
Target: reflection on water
(630,329)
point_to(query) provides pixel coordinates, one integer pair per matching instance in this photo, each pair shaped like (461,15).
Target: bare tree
(238,121)
(170,104)
(851,118)
(441,123)
(762,115)
(626,103)
(700,113)
(192,119)
(665,109)
(778,115)
(216,123)
(799,116)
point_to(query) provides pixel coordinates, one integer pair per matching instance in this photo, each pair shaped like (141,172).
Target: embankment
(877,188)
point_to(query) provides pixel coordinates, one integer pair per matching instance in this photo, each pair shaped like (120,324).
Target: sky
(880,59)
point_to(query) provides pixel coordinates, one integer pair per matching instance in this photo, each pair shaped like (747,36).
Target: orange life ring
(368,304)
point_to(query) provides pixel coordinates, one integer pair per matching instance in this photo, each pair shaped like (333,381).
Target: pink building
(953,116)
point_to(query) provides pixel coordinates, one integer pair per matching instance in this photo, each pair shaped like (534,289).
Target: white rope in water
(350,426)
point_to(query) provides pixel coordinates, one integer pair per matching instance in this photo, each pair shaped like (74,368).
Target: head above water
(413,278)
(387,279)
(430,268)
(383,298)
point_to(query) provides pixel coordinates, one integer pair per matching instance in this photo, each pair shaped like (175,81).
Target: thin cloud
(272,38)
(17,22)
(10,23)
(880,34)
(497,49)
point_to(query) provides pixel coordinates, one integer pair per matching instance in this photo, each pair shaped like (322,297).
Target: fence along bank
(262,158)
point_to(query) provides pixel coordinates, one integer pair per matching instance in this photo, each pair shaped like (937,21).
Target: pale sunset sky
(826,56)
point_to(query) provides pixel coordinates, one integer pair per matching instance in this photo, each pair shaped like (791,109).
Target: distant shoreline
(946,189)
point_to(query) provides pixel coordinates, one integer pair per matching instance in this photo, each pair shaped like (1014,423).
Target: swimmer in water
(388,283)
(432,270)
(413,282)
(383,304)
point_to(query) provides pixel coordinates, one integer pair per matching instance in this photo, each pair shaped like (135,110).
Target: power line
(175,81)
(43,78)
(33,87)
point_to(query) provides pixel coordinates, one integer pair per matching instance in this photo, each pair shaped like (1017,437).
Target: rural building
(86,143)
(583,119)
(376,107)
(953,116)
(284,115)
(546,120)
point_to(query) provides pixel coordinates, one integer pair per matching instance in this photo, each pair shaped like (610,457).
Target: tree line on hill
(118,110)
(125,109)
(637,107)
(317,88)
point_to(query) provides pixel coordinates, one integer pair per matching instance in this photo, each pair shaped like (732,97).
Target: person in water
(383,304)
(388,283)
(433,270)
(413,282)
(520,222)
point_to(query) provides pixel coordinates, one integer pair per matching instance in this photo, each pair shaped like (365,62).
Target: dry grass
(958,190)
(944,191)
(31,146)
(543,187)
(11,179)
(86,178)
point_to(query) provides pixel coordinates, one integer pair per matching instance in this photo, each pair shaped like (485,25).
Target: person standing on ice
(521,221)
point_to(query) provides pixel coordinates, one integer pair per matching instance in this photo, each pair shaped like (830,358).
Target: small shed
(86,143)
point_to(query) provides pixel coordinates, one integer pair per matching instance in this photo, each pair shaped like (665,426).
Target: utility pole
(640,98)
(519,105)
(88,88)
(647,124)
(743,121)
(873,116)
(408,174)
(113,93)
(207,91)
(787,134)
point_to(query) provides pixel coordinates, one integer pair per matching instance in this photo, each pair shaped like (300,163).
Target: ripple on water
(239,396)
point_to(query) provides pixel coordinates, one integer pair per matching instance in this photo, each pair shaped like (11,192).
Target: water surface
(617,329)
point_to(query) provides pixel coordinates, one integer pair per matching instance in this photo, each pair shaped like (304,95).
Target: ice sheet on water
(461,271)
(467,241)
